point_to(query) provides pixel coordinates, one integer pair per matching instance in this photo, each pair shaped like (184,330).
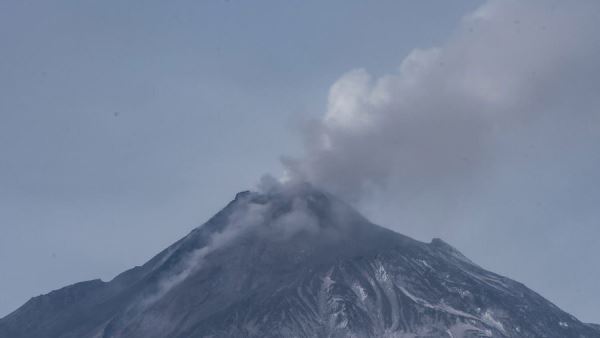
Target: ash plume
(509,69)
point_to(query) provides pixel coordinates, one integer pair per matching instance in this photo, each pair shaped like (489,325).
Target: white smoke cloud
(437,120)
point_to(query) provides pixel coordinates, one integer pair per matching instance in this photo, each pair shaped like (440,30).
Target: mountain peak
(292,260)
(289,208)
(242,194)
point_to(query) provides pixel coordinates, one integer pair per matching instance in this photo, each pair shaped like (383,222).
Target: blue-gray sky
(123,125)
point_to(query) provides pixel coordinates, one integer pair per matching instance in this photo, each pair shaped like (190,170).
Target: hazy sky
(123,125)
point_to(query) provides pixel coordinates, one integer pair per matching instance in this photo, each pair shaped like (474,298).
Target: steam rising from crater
(438,120)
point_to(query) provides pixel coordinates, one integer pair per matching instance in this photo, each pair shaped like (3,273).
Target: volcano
(296,262)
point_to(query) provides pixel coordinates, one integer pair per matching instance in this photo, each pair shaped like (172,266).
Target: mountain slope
(296,262)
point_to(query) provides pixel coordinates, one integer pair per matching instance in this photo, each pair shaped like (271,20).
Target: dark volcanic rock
(297,263)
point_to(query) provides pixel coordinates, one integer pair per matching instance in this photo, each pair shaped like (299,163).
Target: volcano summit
(296,263)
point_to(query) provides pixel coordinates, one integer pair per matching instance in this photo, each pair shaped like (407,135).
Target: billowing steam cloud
(509,65)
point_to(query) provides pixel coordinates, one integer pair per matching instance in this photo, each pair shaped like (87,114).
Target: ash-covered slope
(296,262)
